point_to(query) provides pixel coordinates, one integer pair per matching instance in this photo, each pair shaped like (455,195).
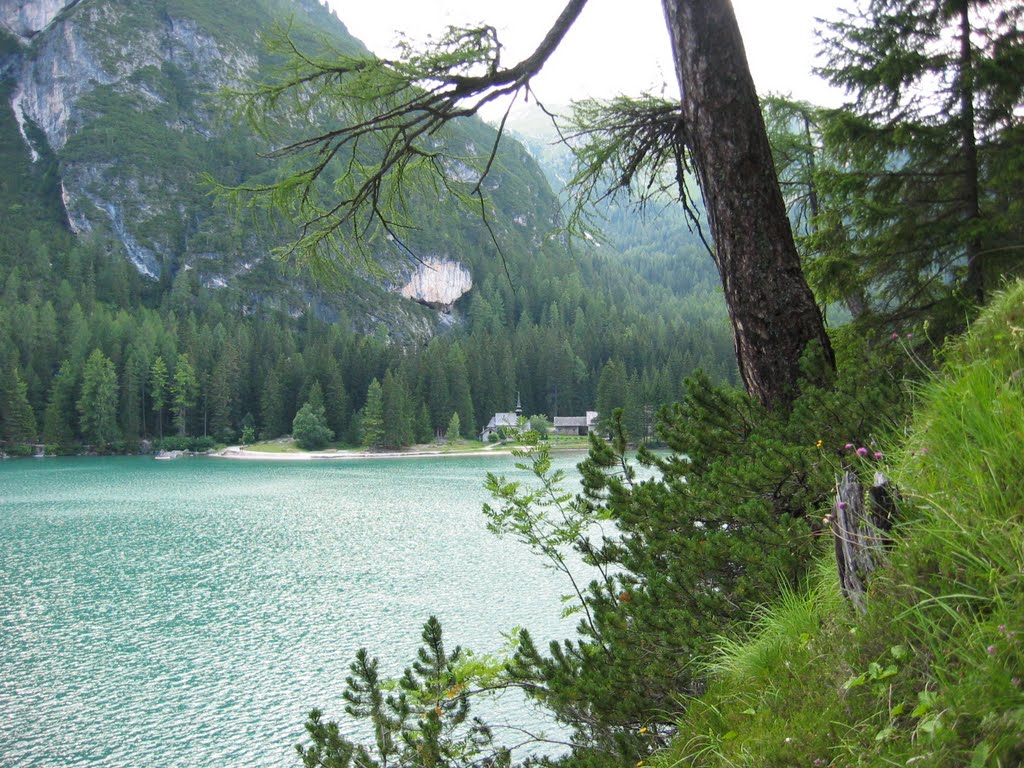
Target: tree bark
(773,313)
(861,532)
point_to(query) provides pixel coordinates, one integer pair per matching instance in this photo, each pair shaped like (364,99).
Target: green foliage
(97,405)
(309,427)
(540,424)
(932,673)
(397,412)
(184,391)
(632,147)
(546,518)
(158,390)
(536,320)
(17,420)
(58,419)
(371,417)
(184,443)
(918,176)
(419,721)
(454,430)
(727,517)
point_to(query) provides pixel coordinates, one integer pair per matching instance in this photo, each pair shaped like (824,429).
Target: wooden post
(860,531)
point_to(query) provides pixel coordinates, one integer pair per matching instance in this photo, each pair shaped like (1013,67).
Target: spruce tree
(97,404)
(17,420)
(184,392)
(921,189)
(59,417)
(438,395)
(454,430)
(423,430)
(396,412)
(458,387)
(222,389)
(158,392)
(371,417)
(612,386)
(133,393)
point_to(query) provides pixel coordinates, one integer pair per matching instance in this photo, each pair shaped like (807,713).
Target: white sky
(616,46)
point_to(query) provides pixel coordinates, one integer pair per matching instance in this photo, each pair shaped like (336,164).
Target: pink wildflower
(862,451)
(878,454)
(992,650)
(848,447)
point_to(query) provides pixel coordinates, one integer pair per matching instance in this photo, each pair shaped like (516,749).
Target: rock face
(26,18)
(438,283)
(89,61)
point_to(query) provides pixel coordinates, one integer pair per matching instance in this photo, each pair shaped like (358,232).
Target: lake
(191,612)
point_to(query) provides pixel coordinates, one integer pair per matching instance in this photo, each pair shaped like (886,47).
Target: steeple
(519,405)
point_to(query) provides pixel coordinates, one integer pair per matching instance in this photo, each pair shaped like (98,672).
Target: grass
(280,445)
(932,674)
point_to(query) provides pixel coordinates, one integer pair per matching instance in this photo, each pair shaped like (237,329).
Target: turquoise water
(191,612)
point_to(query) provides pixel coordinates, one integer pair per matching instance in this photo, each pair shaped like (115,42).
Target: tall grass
(932,675)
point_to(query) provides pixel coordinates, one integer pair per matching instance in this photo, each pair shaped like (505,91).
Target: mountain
(123,278)
(118,102)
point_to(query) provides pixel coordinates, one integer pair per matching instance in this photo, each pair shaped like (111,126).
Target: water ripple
(192,612)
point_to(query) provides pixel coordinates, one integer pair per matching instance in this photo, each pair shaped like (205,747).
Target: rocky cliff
(438,283)
(27,18)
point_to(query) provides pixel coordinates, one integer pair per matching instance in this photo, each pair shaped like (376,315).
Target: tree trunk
(975,286)
(773,313)
(860,532)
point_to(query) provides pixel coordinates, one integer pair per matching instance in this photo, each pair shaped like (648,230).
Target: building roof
(502,420)
(570,421)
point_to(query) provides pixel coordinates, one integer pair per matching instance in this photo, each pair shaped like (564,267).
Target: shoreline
(240,454)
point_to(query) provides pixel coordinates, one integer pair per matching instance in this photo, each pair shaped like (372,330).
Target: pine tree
(725,519)
(423,430)
(222,390)
(133,393)
(277,401)
(419,721)
(438,395)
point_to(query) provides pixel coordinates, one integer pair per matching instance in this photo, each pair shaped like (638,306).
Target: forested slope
(112,243)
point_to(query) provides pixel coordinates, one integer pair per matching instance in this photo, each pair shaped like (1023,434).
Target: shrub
(309,428)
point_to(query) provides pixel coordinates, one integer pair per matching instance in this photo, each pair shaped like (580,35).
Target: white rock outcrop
(27,17)
(438,283)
